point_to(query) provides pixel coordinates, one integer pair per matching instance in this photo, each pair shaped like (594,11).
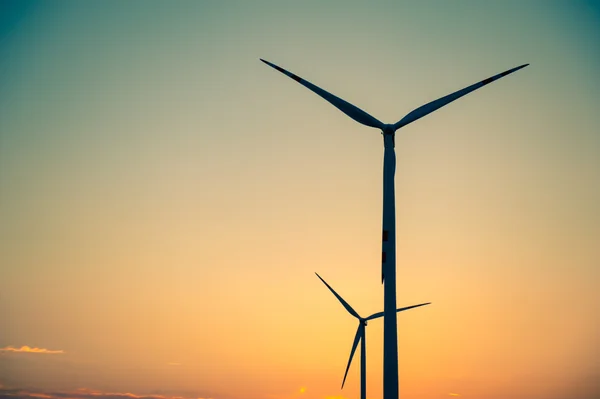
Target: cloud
(82,393)
(454,394)
(28,349)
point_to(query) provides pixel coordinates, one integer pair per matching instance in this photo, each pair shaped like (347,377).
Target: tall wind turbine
(388,254)
(362,337)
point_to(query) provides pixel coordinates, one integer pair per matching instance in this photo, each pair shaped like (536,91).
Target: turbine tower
(362,337)
(388,254)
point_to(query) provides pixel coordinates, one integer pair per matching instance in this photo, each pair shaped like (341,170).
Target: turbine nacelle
(388,130)
(389,136)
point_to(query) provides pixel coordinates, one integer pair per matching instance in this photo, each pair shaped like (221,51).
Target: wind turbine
(388,253)
(362,337)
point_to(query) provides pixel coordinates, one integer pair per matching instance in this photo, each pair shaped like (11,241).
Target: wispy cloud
(28,349)
(454,394)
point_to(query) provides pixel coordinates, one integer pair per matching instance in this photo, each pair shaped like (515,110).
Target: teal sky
(165,197)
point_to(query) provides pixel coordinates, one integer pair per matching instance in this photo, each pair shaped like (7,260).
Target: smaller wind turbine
(362,337)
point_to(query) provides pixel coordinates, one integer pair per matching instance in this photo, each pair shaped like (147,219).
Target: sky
(165,198)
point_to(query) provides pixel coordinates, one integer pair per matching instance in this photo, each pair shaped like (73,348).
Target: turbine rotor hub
(388,130)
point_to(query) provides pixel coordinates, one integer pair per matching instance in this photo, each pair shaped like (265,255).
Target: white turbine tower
(362,337)
(388,255)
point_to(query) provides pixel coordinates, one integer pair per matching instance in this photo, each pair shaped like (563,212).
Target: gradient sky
(165,198)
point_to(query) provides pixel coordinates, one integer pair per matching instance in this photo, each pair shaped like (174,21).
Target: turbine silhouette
(388,253)
(362,337)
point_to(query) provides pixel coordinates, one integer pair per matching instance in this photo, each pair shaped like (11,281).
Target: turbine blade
(352,111)
(344,303)
(439,103)
(357,338)
(378,315)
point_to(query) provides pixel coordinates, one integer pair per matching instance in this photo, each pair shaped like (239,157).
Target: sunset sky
(165,198)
